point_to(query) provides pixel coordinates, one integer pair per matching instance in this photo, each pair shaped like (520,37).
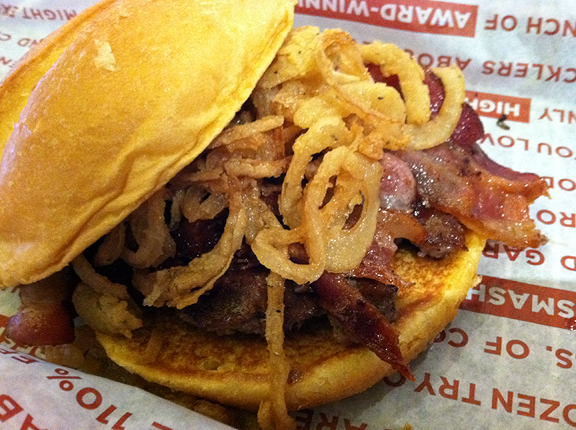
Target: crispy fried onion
(321,225)
(394,61)
(273,413)
(103,304)
(198,204)
(440,128)
(149,229)
(112,246)
(106,313)
(331,67)
(247,135)
(180,286)
(99,283)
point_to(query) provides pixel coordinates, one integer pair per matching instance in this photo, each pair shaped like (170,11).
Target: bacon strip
(444,233)
(41,324)
(376,264)
(45,314)
(484,196)
(398,189)
(458,178)
(361,319)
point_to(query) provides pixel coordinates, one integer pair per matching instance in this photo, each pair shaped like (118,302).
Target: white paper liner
(509,359)
(40,395)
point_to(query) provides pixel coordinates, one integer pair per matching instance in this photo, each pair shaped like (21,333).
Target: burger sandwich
(266,217)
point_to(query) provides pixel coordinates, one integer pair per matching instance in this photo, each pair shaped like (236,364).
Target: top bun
(120,99)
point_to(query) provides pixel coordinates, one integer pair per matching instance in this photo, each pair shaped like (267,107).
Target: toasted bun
(111,107)
(233,369)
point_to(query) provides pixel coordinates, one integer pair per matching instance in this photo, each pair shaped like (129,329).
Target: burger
(266,217)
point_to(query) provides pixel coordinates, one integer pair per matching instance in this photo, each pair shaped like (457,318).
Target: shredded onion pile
(317,123)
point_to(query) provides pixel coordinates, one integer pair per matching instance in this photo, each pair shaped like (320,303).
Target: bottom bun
(232,370)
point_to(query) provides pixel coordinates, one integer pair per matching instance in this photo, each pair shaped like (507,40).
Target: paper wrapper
(509,358)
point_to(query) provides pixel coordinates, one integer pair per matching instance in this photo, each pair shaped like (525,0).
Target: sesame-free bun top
(111,107)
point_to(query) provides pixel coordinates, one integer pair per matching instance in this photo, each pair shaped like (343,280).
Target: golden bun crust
(111,107)
(233,369)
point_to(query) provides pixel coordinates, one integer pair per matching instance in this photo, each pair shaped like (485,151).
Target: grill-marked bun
(232,369)
(132,91)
